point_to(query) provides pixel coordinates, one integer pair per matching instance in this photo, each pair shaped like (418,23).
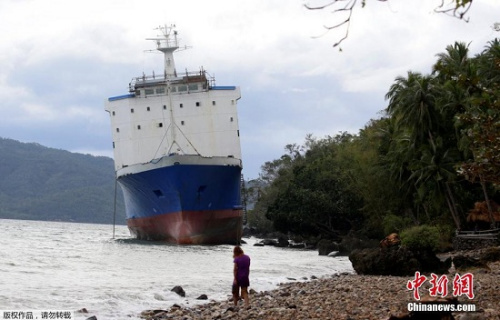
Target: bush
(422,237)
(393,223)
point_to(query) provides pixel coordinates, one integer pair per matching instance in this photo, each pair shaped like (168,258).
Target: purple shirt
(243,271)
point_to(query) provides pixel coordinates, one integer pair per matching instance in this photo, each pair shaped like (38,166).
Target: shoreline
(343,296)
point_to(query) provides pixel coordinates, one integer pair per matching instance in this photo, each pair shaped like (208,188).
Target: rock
(179,291)
(83,310)
(92,318)
(269,242)
(490,254)
(464,262)
(473,316)
(327,246)
(282,242)
(202,297)
(396,261)
(258,244)
(249,231)
(391,240)
(353,242)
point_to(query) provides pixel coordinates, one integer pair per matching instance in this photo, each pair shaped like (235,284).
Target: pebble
(345,296)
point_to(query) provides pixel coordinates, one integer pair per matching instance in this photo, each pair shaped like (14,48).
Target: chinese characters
(462,285)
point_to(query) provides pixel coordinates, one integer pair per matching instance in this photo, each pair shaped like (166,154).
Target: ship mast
(167,43)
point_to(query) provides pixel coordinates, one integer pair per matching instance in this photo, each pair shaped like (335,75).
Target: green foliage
(40,183)
(393,223)
(435,152)
(312,197)
(422,237)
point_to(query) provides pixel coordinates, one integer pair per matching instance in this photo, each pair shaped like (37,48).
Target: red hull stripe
(190,227)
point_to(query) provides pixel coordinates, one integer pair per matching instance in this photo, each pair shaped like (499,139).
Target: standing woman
(241,276)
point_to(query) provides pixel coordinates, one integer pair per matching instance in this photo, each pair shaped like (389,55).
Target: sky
(60,60)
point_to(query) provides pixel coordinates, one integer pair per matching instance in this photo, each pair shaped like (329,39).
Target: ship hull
(190,227)
(184,200)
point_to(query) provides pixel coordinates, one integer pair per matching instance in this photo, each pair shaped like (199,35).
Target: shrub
(422,237)
(393,223)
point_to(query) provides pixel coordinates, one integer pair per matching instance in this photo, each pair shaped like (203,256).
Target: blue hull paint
(179,188)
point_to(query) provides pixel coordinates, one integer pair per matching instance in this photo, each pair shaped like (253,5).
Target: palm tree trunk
(488,204)
(451,205)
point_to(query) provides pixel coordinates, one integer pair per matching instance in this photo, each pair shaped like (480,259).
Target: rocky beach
(350,296)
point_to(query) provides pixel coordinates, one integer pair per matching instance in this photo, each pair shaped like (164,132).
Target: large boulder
(396,261)
(282,242)
(353,242)
(326,246)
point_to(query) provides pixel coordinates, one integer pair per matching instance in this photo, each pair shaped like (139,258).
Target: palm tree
(412,105)
(433,173)
(454,63)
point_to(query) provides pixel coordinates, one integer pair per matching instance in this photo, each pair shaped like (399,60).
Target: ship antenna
(167,42)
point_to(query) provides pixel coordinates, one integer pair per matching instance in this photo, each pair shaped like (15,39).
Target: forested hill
(40,183)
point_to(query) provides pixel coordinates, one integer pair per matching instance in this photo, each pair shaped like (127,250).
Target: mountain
(40,183)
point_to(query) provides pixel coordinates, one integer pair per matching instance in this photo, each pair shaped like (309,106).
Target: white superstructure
(174,113)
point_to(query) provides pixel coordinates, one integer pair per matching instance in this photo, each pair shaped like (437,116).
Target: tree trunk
(488,204)
(451,205)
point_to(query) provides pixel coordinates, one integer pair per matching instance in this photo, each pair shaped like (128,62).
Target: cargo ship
(177,153)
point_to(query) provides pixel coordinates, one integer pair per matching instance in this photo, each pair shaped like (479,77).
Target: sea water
(71,266)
